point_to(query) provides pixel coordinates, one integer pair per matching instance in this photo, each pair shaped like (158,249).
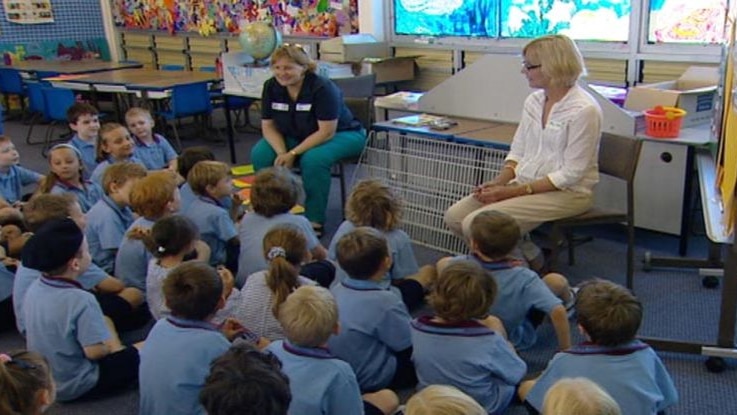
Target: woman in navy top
(305,121)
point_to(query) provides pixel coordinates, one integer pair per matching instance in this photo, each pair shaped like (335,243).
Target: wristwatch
(294,153)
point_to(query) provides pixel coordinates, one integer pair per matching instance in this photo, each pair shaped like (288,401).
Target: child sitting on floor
(66,175)
(109,218)
(114,144)
(13,177)
(320,382)
(462,345)
(442,400)
(28,387)
(524,298)
(83,120)
(245,378)
(375,335)
(211,181)
(372,203)
(152,149)
(180,348)
(285,249)
(65,323)
(626,368)
(274,193)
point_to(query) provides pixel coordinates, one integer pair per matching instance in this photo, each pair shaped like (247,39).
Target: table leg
(229,129)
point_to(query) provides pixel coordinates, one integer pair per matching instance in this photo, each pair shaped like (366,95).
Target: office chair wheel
(715,364)
(710,281)
(647,261)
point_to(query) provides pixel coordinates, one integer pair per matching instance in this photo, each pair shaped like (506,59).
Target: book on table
(426,120)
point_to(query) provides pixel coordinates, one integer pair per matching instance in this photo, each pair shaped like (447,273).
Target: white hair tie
(275,252)
(161,249)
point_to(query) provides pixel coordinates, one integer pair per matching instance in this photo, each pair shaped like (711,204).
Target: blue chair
(171,67)
(56,103)
(190,100)
(11,83)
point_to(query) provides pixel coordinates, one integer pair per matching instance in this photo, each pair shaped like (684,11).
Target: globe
(259,39)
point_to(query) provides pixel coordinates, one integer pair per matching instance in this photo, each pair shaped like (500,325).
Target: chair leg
(176,138)
(32,123)
(341,178)
(571,246)
(556,239)
(630,254)
(47,139)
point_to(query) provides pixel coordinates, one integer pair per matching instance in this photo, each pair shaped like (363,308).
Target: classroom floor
(676,305)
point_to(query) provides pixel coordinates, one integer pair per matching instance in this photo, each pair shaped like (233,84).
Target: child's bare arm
(559,318)
(110,285)
(319,253)
(525,387)
(96,351)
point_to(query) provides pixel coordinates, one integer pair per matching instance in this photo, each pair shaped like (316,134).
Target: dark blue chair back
(192,99)
(36,101)
(11,82)
(171,67)
(46,74)
(57,101)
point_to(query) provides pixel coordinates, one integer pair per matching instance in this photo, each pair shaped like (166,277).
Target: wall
(74,21)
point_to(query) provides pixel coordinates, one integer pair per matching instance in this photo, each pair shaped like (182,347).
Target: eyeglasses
(529,67)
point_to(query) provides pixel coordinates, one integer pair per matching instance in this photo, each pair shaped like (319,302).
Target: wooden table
(71,67)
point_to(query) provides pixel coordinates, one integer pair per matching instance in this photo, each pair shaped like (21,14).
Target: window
(687,21)
(446,17)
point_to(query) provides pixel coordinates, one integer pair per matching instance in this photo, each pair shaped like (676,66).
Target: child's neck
(171,261)
(69,276)
(86,139)
(5,169)
(75,181)
(118,200)
(488,258)
(147,140)
(114,158)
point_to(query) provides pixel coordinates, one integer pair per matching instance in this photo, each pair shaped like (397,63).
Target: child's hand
(228,281)
(139,232)
(231,328)
(203,250)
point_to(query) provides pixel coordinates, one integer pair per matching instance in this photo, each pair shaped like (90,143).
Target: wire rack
(429,174)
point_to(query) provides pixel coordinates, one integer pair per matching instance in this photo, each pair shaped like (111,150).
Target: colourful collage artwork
(207,17)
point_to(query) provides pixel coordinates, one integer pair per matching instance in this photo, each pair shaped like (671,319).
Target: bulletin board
(207,17)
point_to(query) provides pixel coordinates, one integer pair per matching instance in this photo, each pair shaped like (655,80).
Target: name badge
(279,107)
(556,125)
(304,107)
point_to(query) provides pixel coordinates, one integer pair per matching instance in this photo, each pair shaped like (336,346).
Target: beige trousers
(530,211)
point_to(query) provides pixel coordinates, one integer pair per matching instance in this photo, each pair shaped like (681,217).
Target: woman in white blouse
(552,167)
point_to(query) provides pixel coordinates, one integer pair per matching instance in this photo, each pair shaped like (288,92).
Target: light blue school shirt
(13,181)
(469,356)
(86,195)
(374,324)
(88,152)
(154,156)
(175,360)
(100,169)
(632,374)
(62,319)
(404,263)
(6,282)
(215,225)
(251,232)
(187,196)
(520,290)
(131,260)
(24,278)
(334,391)
(106,226)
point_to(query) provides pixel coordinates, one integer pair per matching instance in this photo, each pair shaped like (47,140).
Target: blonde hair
(285,247)
(309,316)
(138,112)
(372,203)
(559,57)
(100,154)
(120,173)
(150,195)
(578,396)
(442,400)
(206,173)
(296,54)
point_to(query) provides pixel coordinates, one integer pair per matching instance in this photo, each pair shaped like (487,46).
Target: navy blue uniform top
(319,99)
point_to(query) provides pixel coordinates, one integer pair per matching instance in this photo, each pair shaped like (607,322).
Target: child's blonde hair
(51,179)
(275,190)
(285,247)
(309,316)
(46,207)
(138,112)
(578,396)
(206,173)
(442,400)
(23,374)
(463,291)
(372,203)
(120,173)
(150,195)
(100,154)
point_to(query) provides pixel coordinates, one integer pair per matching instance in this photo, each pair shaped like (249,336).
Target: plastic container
(664,122)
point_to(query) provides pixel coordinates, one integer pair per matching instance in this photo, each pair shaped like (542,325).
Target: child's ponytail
(22,375)
(285,247)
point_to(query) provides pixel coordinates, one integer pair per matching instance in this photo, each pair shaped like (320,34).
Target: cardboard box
(694,91)
(400,68)
(352,48)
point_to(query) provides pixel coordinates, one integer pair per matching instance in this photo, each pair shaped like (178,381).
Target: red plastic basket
(664,122)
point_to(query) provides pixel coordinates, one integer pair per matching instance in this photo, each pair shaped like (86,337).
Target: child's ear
(44,397)
(388,262)
(583,332)
(73,126)
(336,329)
(473,245)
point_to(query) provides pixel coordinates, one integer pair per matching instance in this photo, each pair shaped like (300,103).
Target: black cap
(52,246)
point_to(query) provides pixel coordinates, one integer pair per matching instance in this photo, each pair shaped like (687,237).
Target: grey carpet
(676,305)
